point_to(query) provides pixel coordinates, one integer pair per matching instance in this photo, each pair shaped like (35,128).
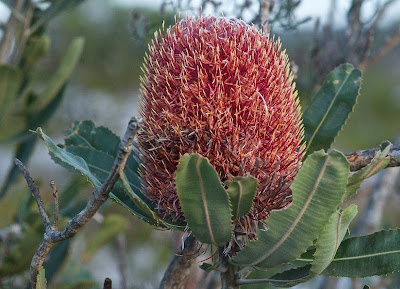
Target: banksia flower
(222,89)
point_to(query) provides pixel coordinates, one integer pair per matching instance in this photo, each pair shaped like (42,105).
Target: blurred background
(104,87)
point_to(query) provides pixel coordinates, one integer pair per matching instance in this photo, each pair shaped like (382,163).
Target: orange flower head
(220,88)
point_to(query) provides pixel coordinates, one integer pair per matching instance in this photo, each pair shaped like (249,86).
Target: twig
(265,7)
(107,284)
(360,159)
(56,204)
(390,44)
(100,195)
(179,269)
(121,250)
(35,193)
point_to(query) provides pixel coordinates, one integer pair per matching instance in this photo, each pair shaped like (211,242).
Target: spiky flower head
(220,88)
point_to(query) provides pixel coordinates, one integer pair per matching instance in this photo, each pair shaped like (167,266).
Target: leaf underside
(317,192)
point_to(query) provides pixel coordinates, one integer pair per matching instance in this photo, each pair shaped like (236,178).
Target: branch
(100,195)
(9,33)
(360,159)
(179,269)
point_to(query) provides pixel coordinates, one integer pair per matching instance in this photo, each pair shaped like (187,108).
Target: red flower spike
(220,88)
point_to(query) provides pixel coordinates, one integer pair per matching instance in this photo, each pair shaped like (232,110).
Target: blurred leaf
(57,258)
(10,205)
(23,153)
(60,77)
(331,106)
(23,249)
(54,10)
(317,192)
(41,282)
(378,163)
(204,201)
(36,48)
(8,3)
(375,254)
(112,225)
(73,276)
(10,81)
(241,192)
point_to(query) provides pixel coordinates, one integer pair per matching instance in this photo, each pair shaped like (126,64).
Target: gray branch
(360,159)
(100,195)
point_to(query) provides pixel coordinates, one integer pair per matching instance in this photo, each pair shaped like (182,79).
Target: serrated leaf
(330,108)
(291,277)
(331,237)
(87,134)
(101,163)
(378,163)
(61,76)
(375,254)
(10,82)
(317,191)
(204,201)
(41,282)
(241,192)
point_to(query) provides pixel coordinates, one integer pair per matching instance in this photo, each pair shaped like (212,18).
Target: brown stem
(100,195)
(229,272)
(179,269)
(362,158)
(56,204)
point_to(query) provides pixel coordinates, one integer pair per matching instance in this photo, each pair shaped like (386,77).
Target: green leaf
(241,192)
(317,192)
(61,76)
(331,237)
(23,152)
(204,201)
(291,277)
(36,48)
(111,227)
(101,164)
(330,108)
(207,267)
(10,82)
(41,282)
(378,163)
(54,10)
(358,257)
